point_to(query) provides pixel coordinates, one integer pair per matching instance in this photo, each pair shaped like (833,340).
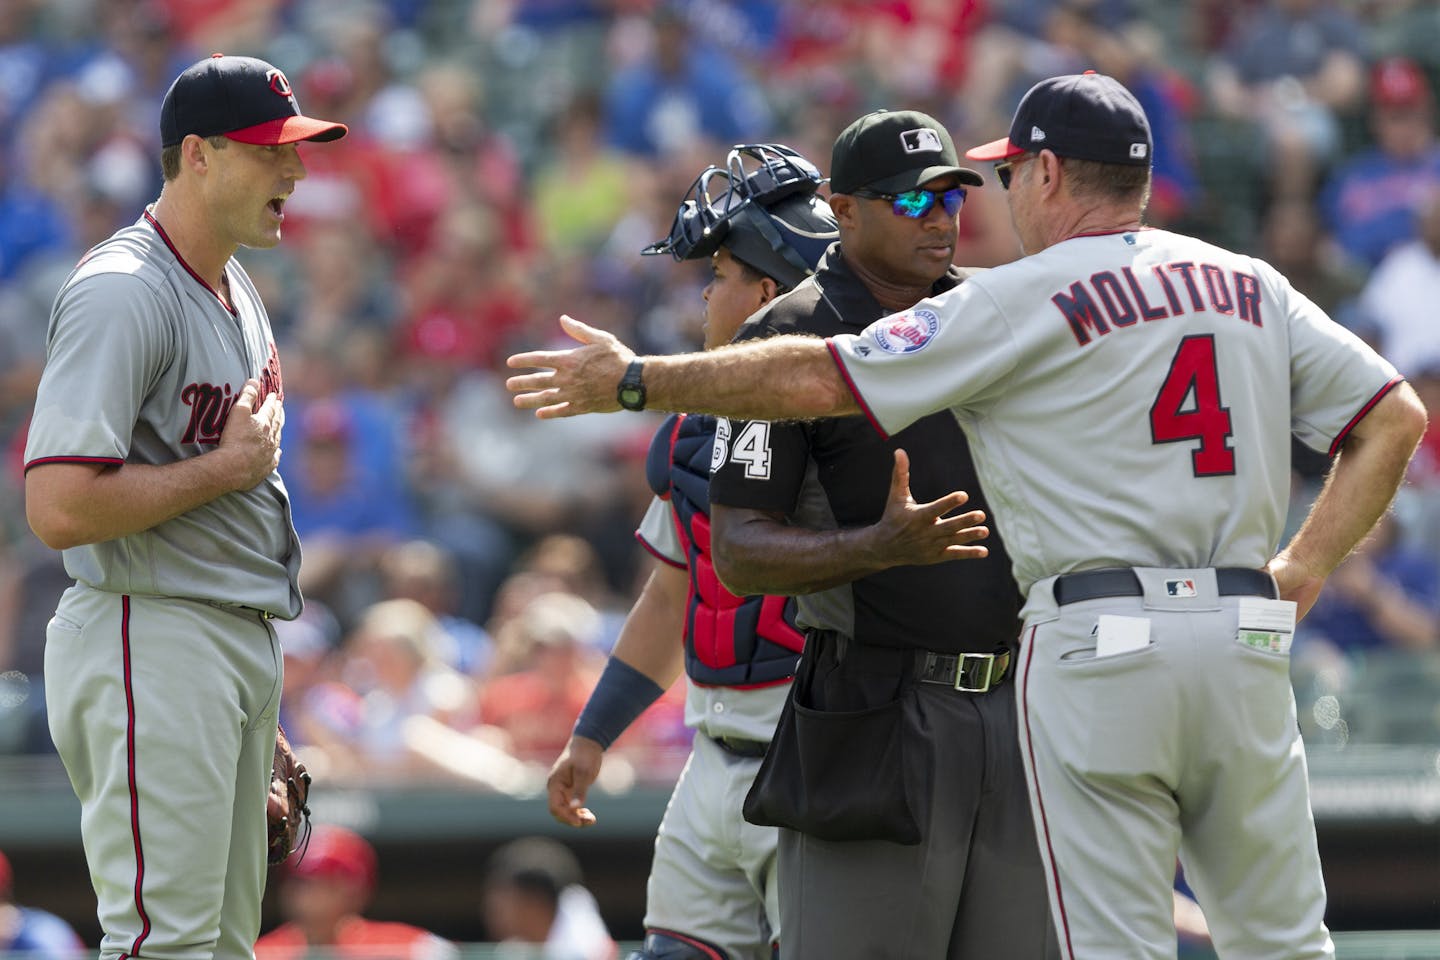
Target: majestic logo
(1036,135)
(906,332)
(1139,151)
(1180,588)
(921,140)
(278,82)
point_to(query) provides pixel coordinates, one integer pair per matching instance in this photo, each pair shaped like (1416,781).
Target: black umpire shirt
(835,474)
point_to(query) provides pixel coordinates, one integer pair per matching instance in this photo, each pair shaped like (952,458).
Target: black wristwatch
(631,392)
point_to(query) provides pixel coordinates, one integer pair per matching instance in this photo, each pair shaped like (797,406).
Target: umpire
(895,772)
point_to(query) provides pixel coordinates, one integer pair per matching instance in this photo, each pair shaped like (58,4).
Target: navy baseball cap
(1088,116)
(241,98)
(891,151)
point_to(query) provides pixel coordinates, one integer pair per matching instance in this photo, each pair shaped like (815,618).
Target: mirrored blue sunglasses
(919,202)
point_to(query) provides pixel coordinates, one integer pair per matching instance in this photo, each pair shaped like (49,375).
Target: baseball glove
(287,808)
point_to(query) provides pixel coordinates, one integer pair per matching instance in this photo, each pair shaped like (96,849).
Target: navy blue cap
(1088,116)
(241,98)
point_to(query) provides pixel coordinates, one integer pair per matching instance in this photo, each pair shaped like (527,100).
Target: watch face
(632,397)
(631,392)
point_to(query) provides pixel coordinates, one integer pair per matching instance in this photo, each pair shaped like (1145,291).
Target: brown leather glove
(288,807)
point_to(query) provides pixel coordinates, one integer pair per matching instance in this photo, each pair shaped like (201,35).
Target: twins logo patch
(906,332)
(278,82)
(1180,588)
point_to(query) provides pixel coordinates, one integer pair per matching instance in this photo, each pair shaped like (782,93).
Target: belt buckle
(963,672)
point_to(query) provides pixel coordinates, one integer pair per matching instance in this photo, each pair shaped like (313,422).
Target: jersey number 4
(1188,408)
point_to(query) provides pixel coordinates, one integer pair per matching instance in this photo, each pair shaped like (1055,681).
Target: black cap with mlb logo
(1088,116)
(891,151)
(241,98)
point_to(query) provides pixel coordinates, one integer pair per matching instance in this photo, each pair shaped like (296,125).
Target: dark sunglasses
(1005,169)
(919,202)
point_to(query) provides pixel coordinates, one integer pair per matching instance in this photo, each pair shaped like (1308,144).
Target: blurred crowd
(532,903)
(467,567)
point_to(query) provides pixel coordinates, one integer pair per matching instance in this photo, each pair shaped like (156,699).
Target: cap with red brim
(994,150)
(241,98)
(289,130)
(1088,116)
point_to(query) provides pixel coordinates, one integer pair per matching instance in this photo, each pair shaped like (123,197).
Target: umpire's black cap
(1088,116)
(891,151)
(241,98)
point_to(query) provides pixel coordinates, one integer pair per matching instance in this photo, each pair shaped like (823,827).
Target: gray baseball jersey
(165,634)
(1108,368)
(1129,399)
(144,362)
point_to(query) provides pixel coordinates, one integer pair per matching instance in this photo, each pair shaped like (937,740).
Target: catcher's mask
(762,207)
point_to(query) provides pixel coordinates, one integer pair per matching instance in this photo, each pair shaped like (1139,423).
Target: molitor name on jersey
(1110,299)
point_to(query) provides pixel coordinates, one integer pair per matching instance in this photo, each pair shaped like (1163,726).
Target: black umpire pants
(973,887)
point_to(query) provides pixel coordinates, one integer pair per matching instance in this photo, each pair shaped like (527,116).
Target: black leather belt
(965,672)
(1122,582)
(742,747)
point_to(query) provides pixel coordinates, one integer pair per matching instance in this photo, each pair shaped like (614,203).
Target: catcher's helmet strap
(763,224)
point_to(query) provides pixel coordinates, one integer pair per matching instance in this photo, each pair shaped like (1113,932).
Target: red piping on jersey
(657,554)
(707,950)
(103,461)
(134,793)
(845,375)
(675,438)
(1039,801)
(1340,438)
(188,269)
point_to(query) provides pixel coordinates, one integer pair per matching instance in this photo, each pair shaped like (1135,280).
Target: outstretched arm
(781,378)
(1358,490)
(756,551)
